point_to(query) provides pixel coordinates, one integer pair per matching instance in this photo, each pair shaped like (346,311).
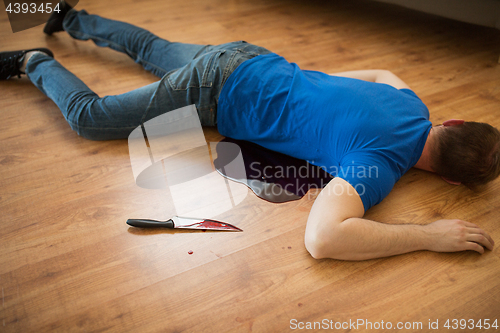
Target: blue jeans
(190,74)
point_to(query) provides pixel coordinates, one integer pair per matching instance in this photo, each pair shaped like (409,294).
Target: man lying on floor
(367,121)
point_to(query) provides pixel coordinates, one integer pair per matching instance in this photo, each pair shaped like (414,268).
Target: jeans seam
(84,35)
(210,68)
(153,97)
(230,64)
(75,124)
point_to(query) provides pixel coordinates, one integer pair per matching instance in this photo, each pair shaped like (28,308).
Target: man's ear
(453,122)
(452,182)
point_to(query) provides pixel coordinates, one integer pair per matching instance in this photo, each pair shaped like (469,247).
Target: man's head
(467,152)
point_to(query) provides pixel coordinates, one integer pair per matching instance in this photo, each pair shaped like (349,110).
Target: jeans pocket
(199,73)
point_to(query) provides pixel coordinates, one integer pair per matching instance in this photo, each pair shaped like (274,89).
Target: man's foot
(11,62)
(55,22)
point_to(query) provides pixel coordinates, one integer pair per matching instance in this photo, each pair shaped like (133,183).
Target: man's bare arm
(336,229)
(375,75)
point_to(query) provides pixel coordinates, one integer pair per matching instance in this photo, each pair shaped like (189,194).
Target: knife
(177,222)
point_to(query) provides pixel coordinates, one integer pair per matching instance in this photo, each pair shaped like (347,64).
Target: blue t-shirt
(366,133)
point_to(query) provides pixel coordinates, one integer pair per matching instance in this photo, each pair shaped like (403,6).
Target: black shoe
(55,22)
(10,62)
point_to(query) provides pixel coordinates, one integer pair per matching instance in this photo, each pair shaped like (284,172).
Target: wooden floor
(69,263)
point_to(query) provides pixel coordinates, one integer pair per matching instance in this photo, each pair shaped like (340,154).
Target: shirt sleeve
(371,176)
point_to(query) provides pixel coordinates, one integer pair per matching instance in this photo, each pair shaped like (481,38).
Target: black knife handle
(144,223)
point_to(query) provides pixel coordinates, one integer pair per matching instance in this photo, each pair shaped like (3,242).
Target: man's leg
(95,118)
(153,53)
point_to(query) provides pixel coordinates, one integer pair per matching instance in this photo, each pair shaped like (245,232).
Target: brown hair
(468,153)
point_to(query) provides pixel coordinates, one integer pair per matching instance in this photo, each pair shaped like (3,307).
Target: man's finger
(474,247)
(488,237)
(481,240)
(470,224)
(484,233)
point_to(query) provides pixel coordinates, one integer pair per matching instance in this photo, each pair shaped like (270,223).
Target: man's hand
(457,235)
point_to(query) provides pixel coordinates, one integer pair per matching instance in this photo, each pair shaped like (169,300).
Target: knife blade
(178,222)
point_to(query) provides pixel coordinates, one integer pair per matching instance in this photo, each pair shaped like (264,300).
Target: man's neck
(424,162)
